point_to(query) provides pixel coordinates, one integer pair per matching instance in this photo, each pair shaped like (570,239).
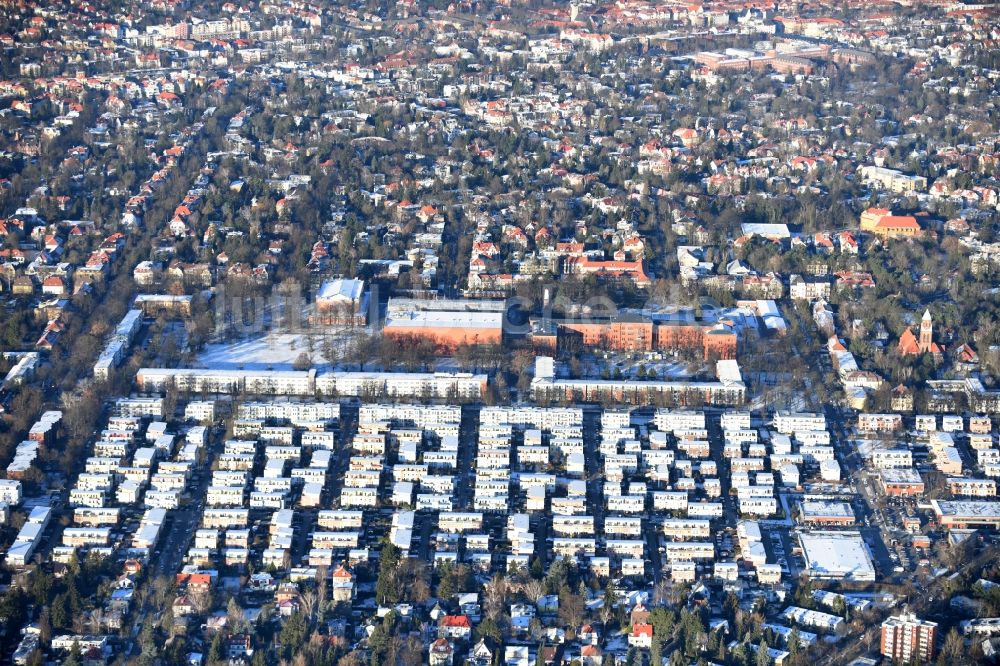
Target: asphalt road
(183,521)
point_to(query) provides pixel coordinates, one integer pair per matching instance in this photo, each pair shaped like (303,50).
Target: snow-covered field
(276,351)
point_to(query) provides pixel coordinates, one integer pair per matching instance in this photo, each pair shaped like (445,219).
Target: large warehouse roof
(837,555)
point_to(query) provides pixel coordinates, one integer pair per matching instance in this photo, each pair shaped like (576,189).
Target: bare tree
(307,601)
(663,592)
(96,620)
(321,591)
(533,588)
(496,592)
(201,600)
(162,587)
(235,618)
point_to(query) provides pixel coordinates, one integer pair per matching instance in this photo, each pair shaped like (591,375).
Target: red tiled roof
(898,222)
(642,630)
(908,343)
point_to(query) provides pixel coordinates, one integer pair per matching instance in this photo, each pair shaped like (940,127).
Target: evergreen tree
(739,654)
(73,597)
(655,653)
(74,658)
(60,616)
(215,649)
(488,628)
(762,658)
(150,649)
(662,621)
(537,570)
(293,633)
(41,588)
(386,589)
(794,643)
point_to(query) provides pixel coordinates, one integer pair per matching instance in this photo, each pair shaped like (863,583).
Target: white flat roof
(764,229)
(728,372)
(981,509)
(341,289)
(443,305)
(826,509)
(444,319)
(837,555)
(900,475)
(220,372)
(160,298)
(643,384)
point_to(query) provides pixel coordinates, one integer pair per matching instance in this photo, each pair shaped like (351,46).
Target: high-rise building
(906,638)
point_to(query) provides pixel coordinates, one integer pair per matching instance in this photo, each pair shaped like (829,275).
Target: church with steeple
(910,344)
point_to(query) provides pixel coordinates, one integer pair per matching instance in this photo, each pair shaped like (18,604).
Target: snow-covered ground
(664,369)
(276,351)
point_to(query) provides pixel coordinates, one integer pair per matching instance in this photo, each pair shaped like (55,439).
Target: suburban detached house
(641,636)
(456,626)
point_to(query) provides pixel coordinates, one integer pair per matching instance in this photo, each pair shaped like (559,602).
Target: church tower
(926,332)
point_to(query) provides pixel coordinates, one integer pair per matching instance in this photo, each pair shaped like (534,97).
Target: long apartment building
(729,390)
(630,332)
(451,385)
